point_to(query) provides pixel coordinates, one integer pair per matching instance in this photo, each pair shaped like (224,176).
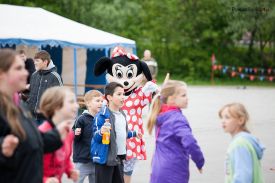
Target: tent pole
(75,72)
(134,50)
(106,52)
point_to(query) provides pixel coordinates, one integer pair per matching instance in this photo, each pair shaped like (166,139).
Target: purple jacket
(174,144)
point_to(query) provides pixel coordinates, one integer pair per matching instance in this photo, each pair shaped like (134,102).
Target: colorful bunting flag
(251,73)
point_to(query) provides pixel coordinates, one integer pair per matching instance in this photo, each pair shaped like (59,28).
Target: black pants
(109,174)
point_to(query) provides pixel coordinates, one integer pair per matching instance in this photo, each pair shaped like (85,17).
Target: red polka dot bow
(119,51)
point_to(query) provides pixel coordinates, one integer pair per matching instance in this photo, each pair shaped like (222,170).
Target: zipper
(35,108)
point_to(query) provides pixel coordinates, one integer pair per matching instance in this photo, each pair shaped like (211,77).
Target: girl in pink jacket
(58,104)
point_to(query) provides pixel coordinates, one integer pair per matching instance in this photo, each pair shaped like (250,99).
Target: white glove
(149,87)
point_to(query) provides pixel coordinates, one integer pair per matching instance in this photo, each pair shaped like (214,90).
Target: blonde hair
(90,95)
(169,88)
(53,99)
(237,111)
(9,110)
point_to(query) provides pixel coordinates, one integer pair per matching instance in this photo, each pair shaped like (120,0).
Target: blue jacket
(243,159)
(106,153)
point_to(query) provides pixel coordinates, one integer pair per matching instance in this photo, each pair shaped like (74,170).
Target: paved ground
(204,103)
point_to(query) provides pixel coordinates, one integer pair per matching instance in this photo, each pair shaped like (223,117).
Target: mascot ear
(102,65)
(146,71)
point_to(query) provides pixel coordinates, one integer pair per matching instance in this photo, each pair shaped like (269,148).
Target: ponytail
(154,111)
(169,88)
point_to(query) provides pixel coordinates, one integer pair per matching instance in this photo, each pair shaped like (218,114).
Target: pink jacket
(58,162)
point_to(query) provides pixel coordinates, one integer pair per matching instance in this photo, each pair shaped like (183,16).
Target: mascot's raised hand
(128,70)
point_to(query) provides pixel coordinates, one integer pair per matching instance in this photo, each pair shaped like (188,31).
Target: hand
(200,170)
(74,175)
(149,87)
(272,169)
(64,128)
(104,129)
(52,180)
(9,144)
(77,131)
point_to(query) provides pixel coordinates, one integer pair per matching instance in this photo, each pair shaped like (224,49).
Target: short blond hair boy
(83,135)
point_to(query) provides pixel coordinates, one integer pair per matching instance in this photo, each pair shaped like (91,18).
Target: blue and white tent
(63,38)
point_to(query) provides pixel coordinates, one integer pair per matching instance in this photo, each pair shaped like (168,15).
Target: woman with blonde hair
(174,139)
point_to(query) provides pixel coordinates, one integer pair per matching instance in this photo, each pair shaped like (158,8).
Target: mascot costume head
(124,68)
(128,70)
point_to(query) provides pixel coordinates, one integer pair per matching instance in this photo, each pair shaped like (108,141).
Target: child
(58,104)
(245,151)
(111,119)
(83,135)
(44,78)
(174,139)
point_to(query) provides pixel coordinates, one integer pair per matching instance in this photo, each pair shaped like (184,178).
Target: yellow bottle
(106,135)
(106,138)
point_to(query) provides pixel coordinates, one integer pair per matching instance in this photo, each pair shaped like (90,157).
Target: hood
(87,112)
(51,67)
(259,148)
(104,111)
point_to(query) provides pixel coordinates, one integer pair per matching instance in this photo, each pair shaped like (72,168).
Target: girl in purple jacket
(174,140)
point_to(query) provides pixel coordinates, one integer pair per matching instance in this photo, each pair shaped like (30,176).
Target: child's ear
(170,100)
(87,103)
(48,62)
(109,97)
(241,121)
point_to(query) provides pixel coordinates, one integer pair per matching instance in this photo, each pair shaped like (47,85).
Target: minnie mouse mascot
(128,70)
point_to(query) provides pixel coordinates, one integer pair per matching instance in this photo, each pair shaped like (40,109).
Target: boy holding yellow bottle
(108,152)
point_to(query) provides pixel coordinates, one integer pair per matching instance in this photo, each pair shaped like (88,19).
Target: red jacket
(58,162)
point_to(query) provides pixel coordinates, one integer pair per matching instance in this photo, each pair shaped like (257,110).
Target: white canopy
(38,27)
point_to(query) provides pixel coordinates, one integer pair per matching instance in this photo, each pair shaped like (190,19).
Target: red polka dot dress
(133,106)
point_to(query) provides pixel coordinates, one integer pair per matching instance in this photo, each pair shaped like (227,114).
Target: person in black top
(44,78)
(83,135)
(21,144)
(29,66)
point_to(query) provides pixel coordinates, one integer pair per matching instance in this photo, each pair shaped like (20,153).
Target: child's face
(40,64)
(70,106)
(95,104)
(180,99)
(229,123)
(15,78)
(118,97)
